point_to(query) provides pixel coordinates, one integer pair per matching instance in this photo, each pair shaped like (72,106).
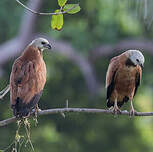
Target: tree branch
(75,110)
(47,14)
(4,91)
(14,46)
(123,45)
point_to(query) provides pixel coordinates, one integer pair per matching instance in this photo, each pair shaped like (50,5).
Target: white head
(136,57)
(41,44)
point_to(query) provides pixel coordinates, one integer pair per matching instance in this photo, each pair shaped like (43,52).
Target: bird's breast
(41,74)
(125,80)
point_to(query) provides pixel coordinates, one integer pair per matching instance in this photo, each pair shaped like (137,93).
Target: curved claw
(37,109)
(116,110)
(132,113)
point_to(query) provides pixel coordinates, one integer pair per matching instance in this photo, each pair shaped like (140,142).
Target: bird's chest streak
(125,80)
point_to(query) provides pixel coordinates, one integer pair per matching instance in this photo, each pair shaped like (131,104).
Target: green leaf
(57,21)
(72,11)
(61,3)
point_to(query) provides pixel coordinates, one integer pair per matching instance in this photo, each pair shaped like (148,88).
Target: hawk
(123,79)
(28,77)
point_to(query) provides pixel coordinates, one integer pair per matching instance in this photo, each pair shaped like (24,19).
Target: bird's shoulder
(113,66)
(116,63)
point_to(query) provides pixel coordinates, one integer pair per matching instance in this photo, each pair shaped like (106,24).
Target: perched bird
(123,79)
(28,78)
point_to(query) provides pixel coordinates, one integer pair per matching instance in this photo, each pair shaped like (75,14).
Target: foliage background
(99,23)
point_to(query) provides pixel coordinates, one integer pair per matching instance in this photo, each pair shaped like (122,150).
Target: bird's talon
(132,113)
(35,113)
(116,111)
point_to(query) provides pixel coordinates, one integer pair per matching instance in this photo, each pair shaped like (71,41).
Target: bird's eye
(43,43)
(137,60)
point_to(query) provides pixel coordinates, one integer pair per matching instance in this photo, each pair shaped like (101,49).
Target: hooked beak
(47,46)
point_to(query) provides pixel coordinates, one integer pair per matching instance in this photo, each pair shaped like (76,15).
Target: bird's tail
(119,103)
(20,109)
(110,103)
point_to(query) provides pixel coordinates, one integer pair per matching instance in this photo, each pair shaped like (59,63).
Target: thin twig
(27,128)
(67,103)
(39,13)
(76,110)
(4,91)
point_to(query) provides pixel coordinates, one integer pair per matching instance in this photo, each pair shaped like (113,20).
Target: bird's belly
(125,84)
(127,87)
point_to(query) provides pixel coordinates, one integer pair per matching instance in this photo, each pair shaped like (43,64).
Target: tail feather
(119,103)
(21,109)
(110,103)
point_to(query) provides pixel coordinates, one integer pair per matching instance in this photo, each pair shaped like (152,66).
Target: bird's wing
(111,72)
(138,79)
(22,81)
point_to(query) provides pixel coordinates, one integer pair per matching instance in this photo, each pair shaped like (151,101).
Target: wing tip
(119,103)
(21,109)
(109,103)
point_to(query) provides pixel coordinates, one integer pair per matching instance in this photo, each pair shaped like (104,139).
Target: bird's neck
(125,60)
(32,53)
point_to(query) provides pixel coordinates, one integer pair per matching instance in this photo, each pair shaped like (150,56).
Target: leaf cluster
(57,20)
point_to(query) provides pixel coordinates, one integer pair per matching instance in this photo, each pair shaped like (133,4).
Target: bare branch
(4,91)
(75,110)
(123,45)
(47,14)
(7,121)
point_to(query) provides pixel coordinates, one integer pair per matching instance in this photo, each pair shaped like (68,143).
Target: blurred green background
(76,71)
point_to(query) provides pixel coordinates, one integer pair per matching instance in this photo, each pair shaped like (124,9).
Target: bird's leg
(116,109)
(132,111)
(37,109)
(36,113)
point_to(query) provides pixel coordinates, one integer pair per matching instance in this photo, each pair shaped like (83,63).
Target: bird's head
(41,44)
(136,57)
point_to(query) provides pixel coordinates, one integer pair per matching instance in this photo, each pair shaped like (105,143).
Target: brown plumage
(28,78)
(123,79)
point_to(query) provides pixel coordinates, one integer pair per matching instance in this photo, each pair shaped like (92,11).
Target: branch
(38,13)
(75,110)
(13,47)
(4,91)
(123,45)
